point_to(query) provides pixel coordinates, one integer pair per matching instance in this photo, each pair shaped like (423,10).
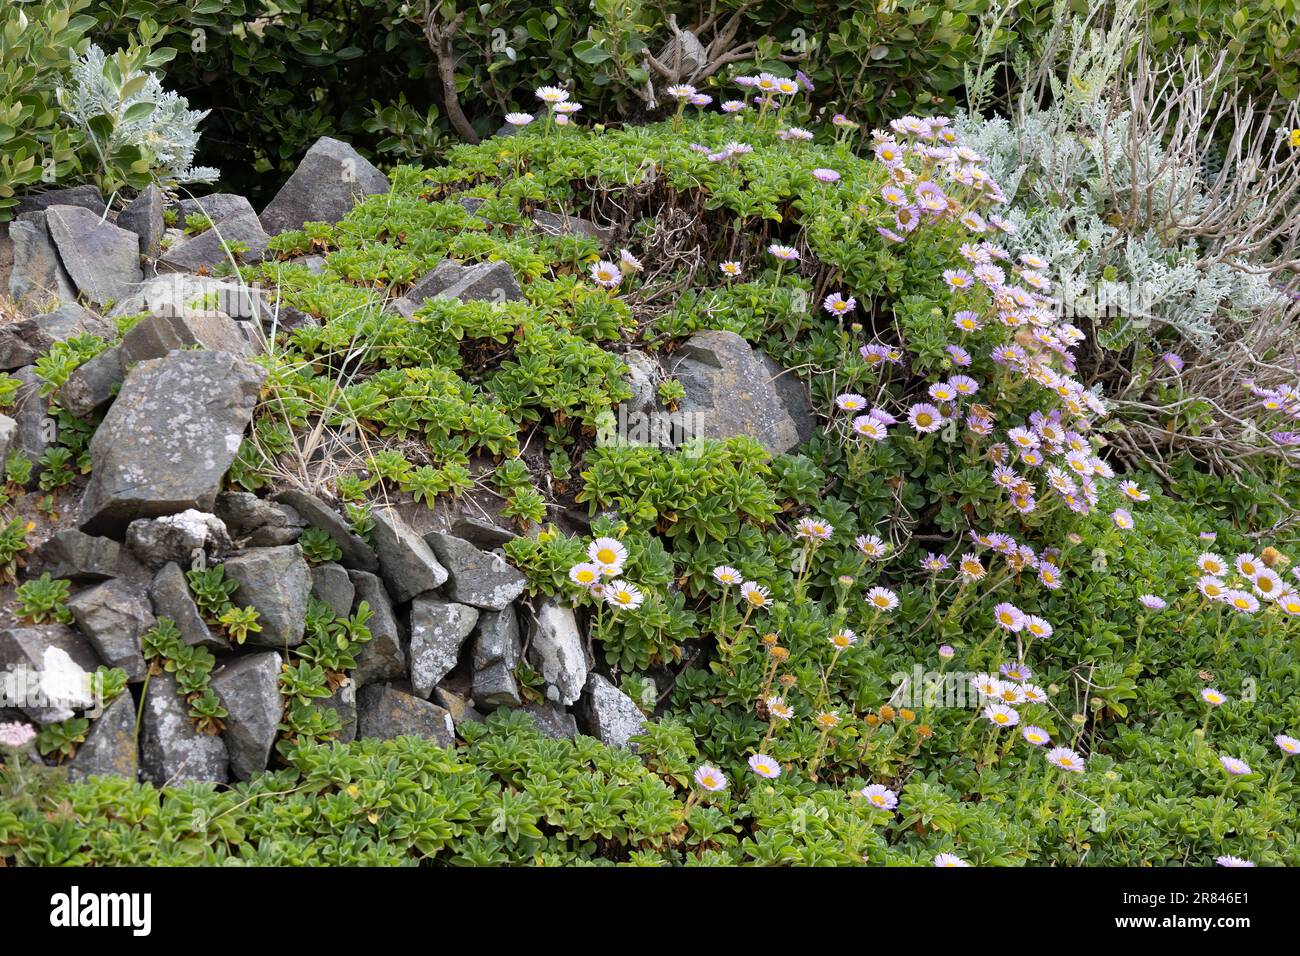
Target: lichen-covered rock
(496,654)
(170,594)
(382,657)
(180,292)
(254,522)
(330,583)
(249,688)
(87,197)
(36,428)
(112,616)
(172,751)
(438,629)
(24,341)
(329,181)
(609,714)
(168,440)
(385,713)
(214,247)
(405,560)
(144,216)
(37,279)
(8,432)
(47,670)
(555,651)
(479,578)
(552,721)
(82,558)
(110,746)
(357,554)
(182,538)
(276,581)
(481,282)
(344,703)
(103,260)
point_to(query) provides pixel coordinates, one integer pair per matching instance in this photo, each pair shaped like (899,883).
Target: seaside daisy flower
(1123,520)
(733,106)
(629,263)
(783,253)
(1173,360)
(16,734)
(850,402)
(1268,584)
(1211,587)
(710,778)
(871,545)
(882,599)
(1232,861)
(967,321)
(1241,601)
(924,418)
(1000,715)
(958,279)
(971,567)
(1248,565)
(837,304)
(987,685)
(960,357)
(1131,491)
(1235,767)
(1211,564)
(1008,617)
(934,562)
(519,119)
(567,109)
(765,766)
(878,795)
(963,385)
(894,195)
(825,175)
(609,553)
(797,133)
(811,529)
(1035,625)
(1212,696)
(1033,694)
(942,392)
(730,269)
(757,595)
(1152,603)
(1066,759)
(552,95)
(726,574)
(1289,602)
(700,99)
(843,639)
(624,594)
(606,274)
(1049,575)
(868,426)
(1015,670)
(1036,735)
(947,651)
(1288,745)
(585,574)
(681,91)
(827,719)
(778,708)
(949,861)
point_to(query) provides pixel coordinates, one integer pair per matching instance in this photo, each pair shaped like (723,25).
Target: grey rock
(382,657)
(172,751)
(103,260)
(328,182)
(609,714)
(480,578)
(438,629)
(8,434)
(87,197)
(385,713)
(167,441)
(37,278)
(24,341)
(218,207)
(344,703)
(144,217)
(356,553)
(792,391)
(496,653)
(249,688)
(6,257)
(557,224)
(729,392)
(407,563)
(181,538)
(93,384)
(643,378)
(461,708)
(276,581)
(330,583)
(213,247)
(482,534)
(49,668)
(169,592)
(483,282)
(36,428)
(555,651)
(178,292)
(112,616)
(315,265)
(552,721)
(82,558)
(110,747)
(254,522)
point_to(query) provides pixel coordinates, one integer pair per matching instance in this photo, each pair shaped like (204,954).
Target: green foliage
(44,599)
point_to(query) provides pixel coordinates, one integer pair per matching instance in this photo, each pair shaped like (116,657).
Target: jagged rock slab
(558,224)
(144,217)
(438,629)
(406,561)
(218,207)
(482,534)
(172,751)
(344,703)
(496,654)
(483,282)
(36,429)
(460,708)
(382,657)
(330,583)
(48,668)
(112,616)
(37,278)
(214,247)
(87,197)
(249,688)
(254,522)
(103,260)
(555,651)
(178,292)
(729,392)
(276,581)
(475,577)
(552,721)
(356,553)
(385,713)
(170,595)
(609,714)
(184,538)
(110,747)
(24,341)
(167,441)
(82,558)
(329,181)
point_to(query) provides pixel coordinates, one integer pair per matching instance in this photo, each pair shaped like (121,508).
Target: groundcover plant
(884,598)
